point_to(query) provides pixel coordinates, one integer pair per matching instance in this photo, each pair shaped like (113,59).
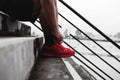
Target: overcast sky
(105,14)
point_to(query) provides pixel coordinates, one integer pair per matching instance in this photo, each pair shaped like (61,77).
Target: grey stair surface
(50,69)
(55,69)
(17,57)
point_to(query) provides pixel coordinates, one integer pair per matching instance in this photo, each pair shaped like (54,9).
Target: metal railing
(90,24)
(100,32)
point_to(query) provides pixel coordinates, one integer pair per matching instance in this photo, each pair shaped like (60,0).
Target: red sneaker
(57,50)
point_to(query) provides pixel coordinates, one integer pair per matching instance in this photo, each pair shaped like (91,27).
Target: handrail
(95,28)
(89,23)
(88,61)
(96,54)
(94,42)
(89,37)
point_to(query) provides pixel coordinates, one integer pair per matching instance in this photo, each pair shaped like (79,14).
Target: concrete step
(50,69)
(59,69)
(17,56)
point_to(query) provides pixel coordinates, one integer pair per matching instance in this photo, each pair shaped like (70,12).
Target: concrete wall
(17,54)
(16,58)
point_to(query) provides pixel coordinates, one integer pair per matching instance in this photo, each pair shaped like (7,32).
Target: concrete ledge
(50,69)
(16,57)
(83,73)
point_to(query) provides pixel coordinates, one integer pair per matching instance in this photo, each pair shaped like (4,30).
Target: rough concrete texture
(16,57)
(50,69)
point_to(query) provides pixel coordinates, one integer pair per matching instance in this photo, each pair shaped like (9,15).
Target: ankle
(51,40)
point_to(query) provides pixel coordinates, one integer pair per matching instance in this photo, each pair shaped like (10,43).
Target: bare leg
(49,20)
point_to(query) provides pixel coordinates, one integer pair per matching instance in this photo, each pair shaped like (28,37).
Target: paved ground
(50,69)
